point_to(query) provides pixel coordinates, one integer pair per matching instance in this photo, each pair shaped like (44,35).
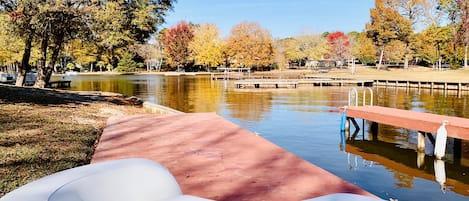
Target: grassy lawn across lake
(362,72)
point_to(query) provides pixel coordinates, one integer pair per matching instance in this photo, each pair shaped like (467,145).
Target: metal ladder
(353,97)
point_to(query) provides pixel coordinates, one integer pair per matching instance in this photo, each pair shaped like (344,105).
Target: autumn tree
(395,52)
(464,28)
(83,52)
(312,46)
(250,46)
(387,25)
(303,47)
(364,49)
(339,44)
(280,58)
(432,44)
(286,51)
(53,23)
(414,12)
(21,14)
(176,41)
(57,22)
(152,53)
(10,44)
(453,13)
(207,47)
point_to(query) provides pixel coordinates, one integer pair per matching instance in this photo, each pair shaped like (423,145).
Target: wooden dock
(294,83)
(267,83)
(334,82)
(425,122)
(59,84)
(459,86)
(216,159)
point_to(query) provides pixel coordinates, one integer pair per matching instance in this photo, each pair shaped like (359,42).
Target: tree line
(101,31)
(114,34)
(404,32)
(247,46)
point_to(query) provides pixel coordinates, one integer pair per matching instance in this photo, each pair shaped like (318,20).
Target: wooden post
(374,130)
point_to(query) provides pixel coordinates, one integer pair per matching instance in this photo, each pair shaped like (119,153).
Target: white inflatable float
(121,180)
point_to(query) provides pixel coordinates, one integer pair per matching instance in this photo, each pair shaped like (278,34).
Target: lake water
(306,121)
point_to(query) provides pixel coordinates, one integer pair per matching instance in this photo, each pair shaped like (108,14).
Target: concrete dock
(216,159)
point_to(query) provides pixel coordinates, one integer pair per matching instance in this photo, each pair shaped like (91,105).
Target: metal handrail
(353,93)
(371,96)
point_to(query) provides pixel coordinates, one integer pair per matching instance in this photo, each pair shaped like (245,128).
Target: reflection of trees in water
(249,106)
(316,100)
(436,101)
(107,84)
(196,94)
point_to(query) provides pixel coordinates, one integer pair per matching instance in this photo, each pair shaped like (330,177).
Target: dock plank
(216,159)
(420,121)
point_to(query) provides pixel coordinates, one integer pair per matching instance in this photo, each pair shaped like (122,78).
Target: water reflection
(394,149)
(305,121)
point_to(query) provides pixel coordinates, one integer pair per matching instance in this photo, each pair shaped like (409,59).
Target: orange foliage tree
(250,46)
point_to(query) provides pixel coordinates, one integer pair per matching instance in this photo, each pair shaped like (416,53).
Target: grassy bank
(45,131)
(417,74)
(414,73)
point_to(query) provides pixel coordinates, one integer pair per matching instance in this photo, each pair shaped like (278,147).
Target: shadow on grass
(39,133)
(29,95)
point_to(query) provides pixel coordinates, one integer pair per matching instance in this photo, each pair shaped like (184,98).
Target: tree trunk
(406,56)
(465,57)
(25,67)
(439,63)
(438,66)
(42,68)
(381,57)
(54,57)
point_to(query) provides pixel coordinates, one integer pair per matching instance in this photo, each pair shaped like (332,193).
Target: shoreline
(362,72)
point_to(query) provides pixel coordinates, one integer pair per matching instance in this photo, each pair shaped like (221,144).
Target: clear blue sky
(283,18)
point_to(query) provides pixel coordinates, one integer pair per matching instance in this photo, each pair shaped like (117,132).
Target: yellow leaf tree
(207,46)
(387,25)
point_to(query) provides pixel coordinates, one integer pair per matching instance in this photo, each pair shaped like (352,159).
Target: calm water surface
(306,122)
